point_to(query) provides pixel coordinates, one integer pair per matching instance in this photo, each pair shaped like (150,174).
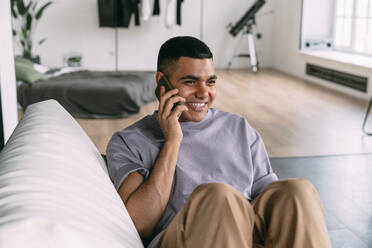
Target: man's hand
(146,200)
(168,119)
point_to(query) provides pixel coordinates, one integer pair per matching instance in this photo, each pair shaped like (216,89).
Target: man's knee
(296,187)
(295,191)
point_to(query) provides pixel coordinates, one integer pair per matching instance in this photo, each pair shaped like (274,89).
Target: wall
(317,20)
(7,76)
(73,26)
(286,54)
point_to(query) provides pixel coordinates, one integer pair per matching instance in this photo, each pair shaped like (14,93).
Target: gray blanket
(94,94)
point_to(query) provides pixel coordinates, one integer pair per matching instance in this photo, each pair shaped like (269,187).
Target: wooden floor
(294,117)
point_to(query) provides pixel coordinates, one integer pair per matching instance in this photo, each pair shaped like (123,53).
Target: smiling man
(195,81)
(194,176)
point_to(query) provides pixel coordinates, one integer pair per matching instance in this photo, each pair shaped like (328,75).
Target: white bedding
(54,187)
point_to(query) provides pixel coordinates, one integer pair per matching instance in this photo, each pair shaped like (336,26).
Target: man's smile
(196,106)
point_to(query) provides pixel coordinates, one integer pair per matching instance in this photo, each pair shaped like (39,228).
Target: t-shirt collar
(190,124)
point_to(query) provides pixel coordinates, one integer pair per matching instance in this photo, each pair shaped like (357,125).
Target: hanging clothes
(156,10)
(117,13)
(136,12)
(107,13)
(128,7)
(179,3)
(145,10)
(170,13)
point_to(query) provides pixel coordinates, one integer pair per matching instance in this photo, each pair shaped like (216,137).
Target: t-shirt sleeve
(122,160)
(262,172)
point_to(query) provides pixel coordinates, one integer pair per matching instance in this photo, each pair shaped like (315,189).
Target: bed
(93,94)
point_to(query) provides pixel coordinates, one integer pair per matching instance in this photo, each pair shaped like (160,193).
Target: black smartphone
(164,81)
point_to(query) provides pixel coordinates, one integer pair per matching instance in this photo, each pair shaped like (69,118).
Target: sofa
(54,187)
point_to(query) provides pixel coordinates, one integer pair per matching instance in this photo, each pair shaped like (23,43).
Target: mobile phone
(164,81)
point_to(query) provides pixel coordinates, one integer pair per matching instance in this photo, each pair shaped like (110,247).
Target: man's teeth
(196,104)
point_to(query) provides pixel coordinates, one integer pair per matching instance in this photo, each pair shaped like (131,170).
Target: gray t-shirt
(221,148)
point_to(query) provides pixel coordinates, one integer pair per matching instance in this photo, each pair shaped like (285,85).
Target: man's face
(195,79)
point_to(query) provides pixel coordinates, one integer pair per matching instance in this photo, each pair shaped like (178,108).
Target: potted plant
(25,17)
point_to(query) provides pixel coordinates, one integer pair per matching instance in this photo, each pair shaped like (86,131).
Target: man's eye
(212,82)
(189,82)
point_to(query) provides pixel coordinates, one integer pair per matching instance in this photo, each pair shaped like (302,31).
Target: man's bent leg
(289,213)
(216,215)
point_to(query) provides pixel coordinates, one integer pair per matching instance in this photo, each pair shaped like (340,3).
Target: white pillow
(65,70)
(41,68)
(54,187)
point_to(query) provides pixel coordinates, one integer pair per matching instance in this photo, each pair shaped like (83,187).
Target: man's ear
(158,76)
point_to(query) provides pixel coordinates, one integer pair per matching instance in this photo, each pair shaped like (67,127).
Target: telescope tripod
(252,50)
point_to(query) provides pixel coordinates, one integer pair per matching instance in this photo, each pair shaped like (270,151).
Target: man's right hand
(168,119)
(146,200)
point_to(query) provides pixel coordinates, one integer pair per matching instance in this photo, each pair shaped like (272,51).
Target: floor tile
(345,188)
(332,222)
(345,239)
(366,237)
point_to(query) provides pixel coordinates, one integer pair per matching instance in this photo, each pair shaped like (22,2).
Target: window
(353,26)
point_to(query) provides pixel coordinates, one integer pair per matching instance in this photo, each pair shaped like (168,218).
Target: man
(193,176)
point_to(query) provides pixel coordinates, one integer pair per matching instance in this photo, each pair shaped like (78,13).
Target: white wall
(73,26)
(7,76)
(317,20)
(286,54)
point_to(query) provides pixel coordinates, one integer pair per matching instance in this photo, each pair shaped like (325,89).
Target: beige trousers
(287,213)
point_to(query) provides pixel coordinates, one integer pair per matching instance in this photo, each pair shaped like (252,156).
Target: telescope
(246,23)
(248,18)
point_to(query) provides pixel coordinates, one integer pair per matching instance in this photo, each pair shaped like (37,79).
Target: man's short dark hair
(185,46)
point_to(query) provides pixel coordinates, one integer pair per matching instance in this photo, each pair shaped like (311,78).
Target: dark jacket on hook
(156,10)
(117,13)
(179,2)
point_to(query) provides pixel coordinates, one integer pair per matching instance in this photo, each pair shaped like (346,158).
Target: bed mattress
(94,94)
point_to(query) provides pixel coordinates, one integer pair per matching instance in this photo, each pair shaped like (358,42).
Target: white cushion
(41,68)
(54,187)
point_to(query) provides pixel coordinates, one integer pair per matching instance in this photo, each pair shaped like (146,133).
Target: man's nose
(202,91)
